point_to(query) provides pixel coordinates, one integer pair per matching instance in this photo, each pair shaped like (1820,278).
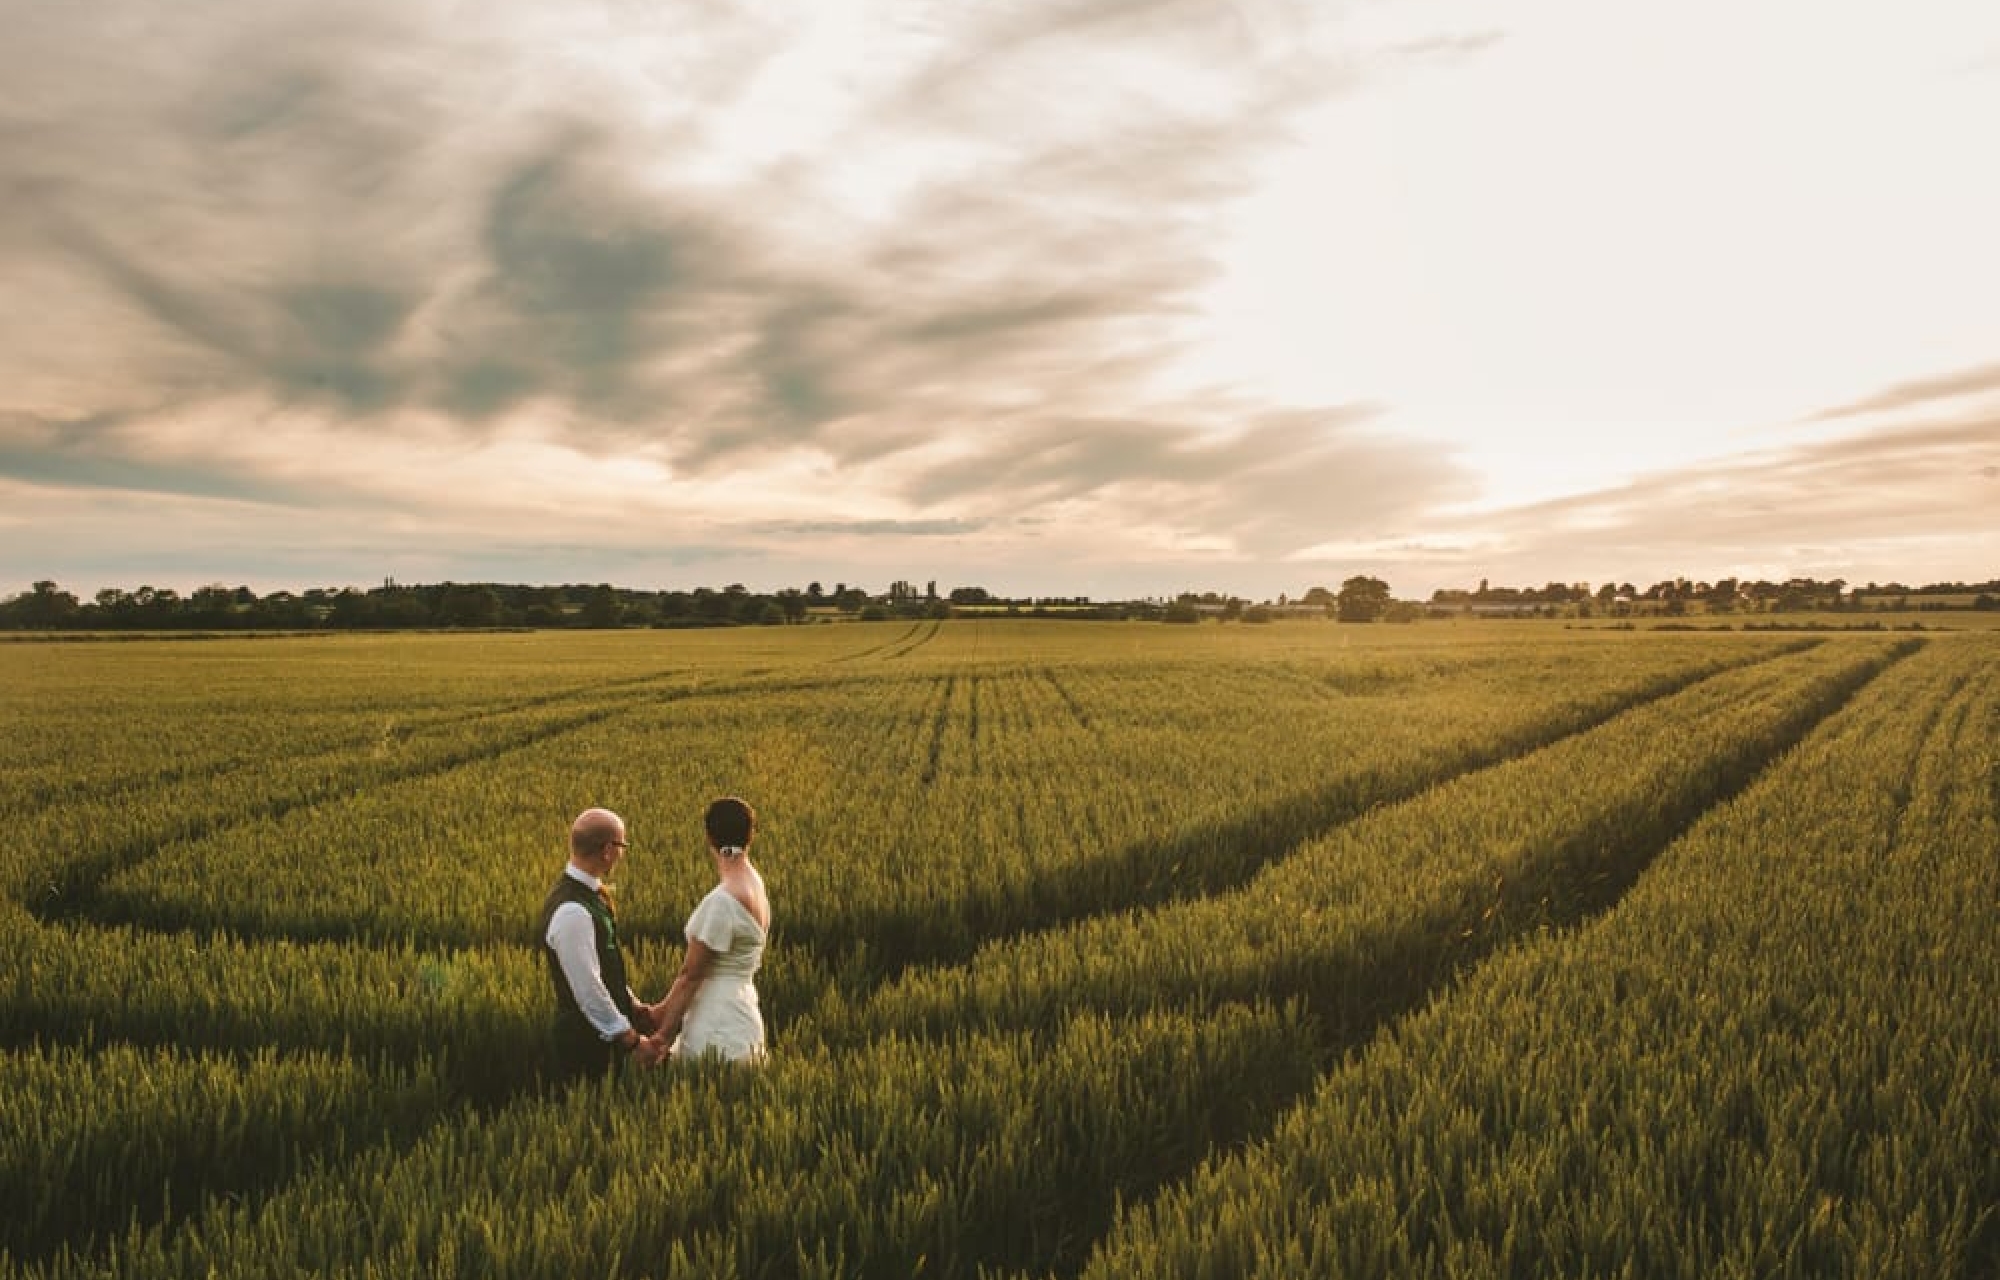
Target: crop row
(1367,916)
(477,1016)
(88,719)
(116,750)
(912,816)
(898,1143)
(478,843)
(1774,1059)
(140,772)
(115,828)
(96,1140)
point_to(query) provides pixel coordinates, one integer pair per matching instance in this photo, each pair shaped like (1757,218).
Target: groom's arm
(573,939)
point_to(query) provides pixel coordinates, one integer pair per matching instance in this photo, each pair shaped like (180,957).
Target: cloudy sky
(1106,297)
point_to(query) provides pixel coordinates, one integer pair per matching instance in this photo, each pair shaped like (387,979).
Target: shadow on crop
(867,945)
(1404,966)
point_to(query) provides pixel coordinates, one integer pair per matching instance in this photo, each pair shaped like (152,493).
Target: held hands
(651,1019)
(656,1036)
(651,1051)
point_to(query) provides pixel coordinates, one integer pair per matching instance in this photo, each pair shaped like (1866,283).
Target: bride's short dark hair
(730,822)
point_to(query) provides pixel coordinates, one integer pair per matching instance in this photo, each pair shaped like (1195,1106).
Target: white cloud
(1113,289)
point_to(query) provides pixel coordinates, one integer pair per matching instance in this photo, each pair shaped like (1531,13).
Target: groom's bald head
(593,830)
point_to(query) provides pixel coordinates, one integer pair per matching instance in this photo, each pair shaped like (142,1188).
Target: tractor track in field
(1406,971)
(378,731)
(895,647)
(1408,979)
(1195,861)
(70,890)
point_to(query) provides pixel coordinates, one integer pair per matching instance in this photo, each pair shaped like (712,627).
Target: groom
(595,1008)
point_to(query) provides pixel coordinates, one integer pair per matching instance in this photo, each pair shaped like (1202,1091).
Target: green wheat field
(1101,950)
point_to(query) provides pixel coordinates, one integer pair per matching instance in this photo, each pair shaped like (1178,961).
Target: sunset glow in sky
(1104,297)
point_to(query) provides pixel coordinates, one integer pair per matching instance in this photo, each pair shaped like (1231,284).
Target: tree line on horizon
(1678,596)
(46,606)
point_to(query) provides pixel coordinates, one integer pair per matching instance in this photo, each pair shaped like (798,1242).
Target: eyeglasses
(616,844)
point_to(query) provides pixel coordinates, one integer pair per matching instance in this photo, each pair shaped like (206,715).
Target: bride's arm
(673,1007)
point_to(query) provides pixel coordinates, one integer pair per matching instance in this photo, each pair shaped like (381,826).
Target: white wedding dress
(724,1018)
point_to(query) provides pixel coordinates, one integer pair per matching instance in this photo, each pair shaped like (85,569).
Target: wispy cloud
(1448,48)
(1866,504)
(375,280)
(960,297)
(1920,393)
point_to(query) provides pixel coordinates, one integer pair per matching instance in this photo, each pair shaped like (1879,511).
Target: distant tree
(1362,599)
(351,609)
(405,607)
(710,605)
(741,605)
(601,607)
(638,609)
(158,606)
(468,606)
(212,607)
(283,610)
(115,607)
(43,607)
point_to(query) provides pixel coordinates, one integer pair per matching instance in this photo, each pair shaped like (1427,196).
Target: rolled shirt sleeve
(574,940)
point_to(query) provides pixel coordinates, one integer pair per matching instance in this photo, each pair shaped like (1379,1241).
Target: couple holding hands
(711,1008)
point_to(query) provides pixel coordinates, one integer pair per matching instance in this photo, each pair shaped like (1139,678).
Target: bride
(712,1004)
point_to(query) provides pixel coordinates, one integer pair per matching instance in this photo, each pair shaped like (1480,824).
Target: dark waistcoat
(578,1044)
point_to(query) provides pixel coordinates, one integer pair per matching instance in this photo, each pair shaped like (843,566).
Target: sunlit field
(1452,949)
